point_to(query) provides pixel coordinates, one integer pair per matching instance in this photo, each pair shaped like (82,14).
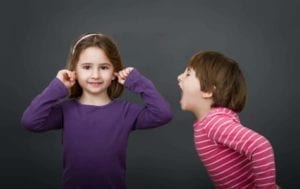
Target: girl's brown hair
(109,47)
(221,76)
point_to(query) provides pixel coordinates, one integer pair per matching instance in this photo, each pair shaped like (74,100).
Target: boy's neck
(96,100)
(202,111)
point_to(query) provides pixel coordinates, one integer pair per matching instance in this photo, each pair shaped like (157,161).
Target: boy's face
(191,96)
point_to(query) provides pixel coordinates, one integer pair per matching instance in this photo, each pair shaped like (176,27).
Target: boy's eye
(188,73)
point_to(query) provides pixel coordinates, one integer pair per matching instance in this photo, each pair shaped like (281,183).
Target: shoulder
(126,104)
(66,102)
(220,118)
(136,79)
(117,107)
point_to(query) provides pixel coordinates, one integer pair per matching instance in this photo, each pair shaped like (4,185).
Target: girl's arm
(156,110)
(245,141)
(44,113)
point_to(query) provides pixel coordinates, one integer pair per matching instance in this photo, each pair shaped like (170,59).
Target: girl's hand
(67,77)
(123,74)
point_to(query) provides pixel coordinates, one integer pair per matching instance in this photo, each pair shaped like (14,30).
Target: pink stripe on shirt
(234,156)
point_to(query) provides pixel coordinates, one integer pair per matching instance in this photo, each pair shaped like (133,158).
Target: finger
(122,75)
(72,76)
(127,71)
(69,76)
(130,69)
(60,75)
(65,76)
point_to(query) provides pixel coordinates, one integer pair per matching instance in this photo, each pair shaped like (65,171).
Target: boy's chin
(181,105)
(184,108)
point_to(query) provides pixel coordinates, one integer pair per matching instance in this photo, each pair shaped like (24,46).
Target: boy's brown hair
(109,47)
(222,76)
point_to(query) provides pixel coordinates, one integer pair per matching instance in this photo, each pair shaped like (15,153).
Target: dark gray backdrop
(157,37)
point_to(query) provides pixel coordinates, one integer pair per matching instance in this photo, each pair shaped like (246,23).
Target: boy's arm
(44,112)
(245,141)
(156,110)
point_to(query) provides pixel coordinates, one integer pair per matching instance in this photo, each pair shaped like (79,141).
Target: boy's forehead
(189,68)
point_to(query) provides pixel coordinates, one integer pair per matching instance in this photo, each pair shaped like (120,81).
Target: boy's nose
(179,77)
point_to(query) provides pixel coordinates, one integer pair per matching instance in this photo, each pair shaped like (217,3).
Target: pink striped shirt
(234,156)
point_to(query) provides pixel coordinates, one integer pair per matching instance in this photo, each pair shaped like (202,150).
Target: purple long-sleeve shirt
(95,137)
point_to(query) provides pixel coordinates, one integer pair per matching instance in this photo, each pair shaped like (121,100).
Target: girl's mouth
(95,84)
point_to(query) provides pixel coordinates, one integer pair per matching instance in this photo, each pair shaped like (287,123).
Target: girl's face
(94,71)
(191,94)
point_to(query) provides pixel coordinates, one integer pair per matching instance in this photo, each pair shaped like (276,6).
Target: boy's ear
(207,94)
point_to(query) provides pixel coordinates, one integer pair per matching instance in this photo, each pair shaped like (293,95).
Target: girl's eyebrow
(105,64)
(100,64)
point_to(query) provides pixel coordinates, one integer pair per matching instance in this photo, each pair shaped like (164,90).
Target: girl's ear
(115,74)
(74,75)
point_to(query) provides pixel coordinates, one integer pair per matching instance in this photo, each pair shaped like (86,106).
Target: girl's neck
(96,100)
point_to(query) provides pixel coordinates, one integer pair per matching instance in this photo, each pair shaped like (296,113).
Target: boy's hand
(123,74)
(67,77)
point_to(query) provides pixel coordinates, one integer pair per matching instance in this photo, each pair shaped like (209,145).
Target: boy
(214,89)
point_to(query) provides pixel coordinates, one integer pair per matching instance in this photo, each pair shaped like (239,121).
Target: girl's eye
(104,67)
(86,67)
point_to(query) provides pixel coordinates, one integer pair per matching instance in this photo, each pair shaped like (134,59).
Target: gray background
(157,37)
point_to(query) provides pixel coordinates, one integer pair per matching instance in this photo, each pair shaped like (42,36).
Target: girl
(214,89)
(95,124)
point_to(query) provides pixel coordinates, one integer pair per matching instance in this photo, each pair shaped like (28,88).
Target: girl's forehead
(93,52)
(94,58)
(91,48)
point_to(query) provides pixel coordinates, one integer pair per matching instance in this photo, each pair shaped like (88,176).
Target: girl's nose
(95,74)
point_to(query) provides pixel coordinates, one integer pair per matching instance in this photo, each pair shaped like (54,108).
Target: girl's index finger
(67,76)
